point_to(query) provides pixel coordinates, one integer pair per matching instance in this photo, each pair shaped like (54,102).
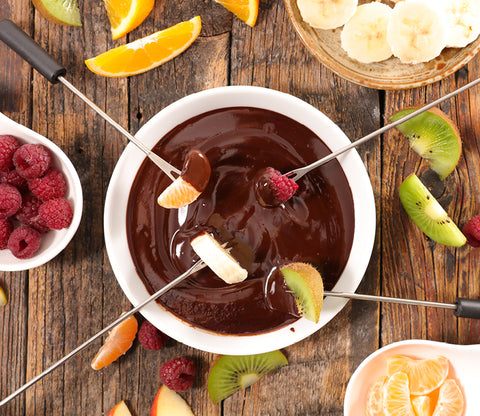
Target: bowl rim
(156,128)
(56,240)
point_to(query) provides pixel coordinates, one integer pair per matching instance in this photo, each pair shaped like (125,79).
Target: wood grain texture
(54,308)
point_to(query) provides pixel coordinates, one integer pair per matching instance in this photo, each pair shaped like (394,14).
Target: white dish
(54,241)
(465,367)
(161,124)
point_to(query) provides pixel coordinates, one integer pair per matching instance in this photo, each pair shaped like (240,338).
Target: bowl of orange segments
(416,378)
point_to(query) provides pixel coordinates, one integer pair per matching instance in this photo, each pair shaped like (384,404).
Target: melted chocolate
(196,169)
(315,225)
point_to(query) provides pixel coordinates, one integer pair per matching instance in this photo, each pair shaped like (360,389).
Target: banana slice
(463,21)
(364,36)
(417,31)
(327,14)
(218,259)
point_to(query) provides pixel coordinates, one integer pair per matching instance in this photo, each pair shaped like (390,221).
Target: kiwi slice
(428,214)
(307,286)
(234,372)
(63,12)
(434,136)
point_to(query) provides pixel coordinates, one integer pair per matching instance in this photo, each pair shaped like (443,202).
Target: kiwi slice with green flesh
(434,137)
(234,372)
(307,286)
(63,12)
(428,214)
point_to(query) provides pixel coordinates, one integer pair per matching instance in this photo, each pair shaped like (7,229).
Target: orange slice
(424,375)
(450,400)
(178,194)
(246,10)
(126,15)
(422,405)
(374,405)
(396,396)
(119,340)
(146,53)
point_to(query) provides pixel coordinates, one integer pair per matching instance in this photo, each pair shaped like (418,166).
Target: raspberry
(57,213)
(272,188)
(178,374)
(50,186)
(24,242)
(28,213)
(5,231)
(10,200)
(151,337)
(13,178)
(8,146)
(31,160)
(472,231)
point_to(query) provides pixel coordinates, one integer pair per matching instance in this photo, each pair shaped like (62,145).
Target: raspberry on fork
(8,146)
(10,200)
(472,231)
(178,374)
(272,188)
(31,160)
(24,242)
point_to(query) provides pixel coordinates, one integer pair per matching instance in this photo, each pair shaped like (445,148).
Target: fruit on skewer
(190,184)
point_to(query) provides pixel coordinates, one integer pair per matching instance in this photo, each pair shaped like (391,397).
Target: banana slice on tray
(417,31)
(327,14)
(463,20)
(364,36)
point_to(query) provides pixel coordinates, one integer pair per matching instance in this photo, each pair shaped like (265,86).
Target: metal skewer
(26,47)
(296,174)
(195,268)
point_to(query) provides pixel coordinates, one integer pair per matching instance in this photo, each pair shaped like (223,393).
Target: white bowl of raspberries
(41,198)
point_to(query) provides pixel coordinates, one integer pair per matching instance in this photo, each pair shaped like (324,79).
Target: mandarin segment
(119,340)
(450,400)
(374,406)
(422,405)
(424,375)
(126,15)
(146,53)
(246,10)
(178,194)
(396,399)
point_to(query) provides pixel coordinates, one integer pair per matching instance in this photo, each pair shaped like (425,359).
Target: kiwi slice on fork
(428,214)
(434,136)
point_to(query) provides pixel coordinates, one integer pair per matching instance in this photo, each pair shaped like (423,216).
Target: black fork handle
(29,50)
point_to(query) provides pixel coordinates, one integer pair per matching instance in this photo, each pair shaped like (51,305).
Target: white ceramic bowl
(465,367)
(54,241)
(162,123)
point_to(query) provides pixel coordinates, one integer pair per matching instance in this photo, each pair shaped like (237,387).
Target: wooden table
(54,308)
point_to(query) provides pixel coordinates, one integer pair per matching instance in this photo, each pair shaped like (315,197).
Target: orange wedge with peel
(424,375)
(146,53)
(126,15)
(374,406)
(119,340)
(396,396)
(450,400)
(246,10)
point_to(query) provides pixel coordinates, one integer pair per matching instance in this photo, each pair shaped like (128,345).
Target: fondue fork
(296,174)
(26,47)
(463,308)
(199,265)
